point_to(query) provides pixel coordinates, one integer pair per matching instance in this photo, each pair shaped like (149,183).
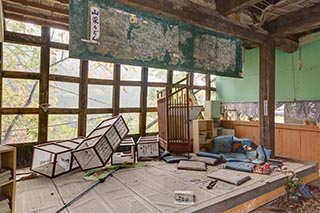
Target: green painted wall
(291,83)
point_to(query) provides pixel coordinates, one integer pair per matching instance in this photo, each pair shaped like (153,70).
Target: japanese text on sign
(94,23)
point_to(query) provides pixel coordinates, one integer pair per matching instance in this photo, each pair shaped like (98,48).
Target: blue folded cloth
(174,159)
(240,166)
(209,155)
(235,157)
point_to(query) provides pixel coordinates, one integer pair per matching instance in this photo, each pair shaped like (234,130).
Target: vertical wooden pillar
(1,68)
(143,101)
(170,77)
(267,94)
(44,86)
(116,89)
(208,87)
(83,98)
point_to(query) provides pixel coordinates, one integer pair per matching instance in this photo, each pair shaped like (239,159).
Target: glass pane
(129,96)
(130,73)
(60,36)
(99,96)
(157,75)
(213,81)
(152,96)
(17,57)
(22,27)
(200,96)
(20,93)
(152,122)
(63,95)
(100,70)
(62,127)
(61,64)
(93,120)
(178,75)
(132,121)
(19,128)
(199,79)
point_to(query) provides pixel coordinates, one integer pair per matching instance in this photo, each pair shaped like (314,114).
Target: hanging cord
(86,191)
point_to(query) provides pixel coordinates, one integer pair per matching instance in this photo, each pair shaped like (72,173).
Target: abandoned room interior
(159,106)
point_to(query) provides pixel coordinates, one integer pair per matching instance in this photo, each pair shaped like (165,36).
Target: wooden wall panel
(288,143)
(248,132)
(310,146)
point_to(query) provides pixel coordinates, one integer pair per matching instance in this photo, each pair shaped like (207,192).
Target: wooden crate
(148,148)
(125,152)
(96,150)
(53,159)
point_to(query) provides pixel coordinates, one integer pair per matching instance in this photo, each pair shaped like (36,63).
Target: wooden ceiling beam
(232,6)
(199,16)
(36,5)
(62,1)
(41,22)
(9,9)
(295,22)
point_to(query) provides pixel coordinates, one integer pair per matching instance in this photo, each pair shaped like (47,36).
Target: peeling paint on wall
(132,36)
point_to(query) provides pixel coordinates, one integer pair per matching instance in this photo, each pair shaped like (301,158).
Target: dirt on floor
(287,203)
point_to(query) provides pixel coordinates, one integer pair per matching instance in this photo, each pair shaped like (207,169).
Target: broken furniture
(53,159)
(175,111)
(148,148)
(125,152)
(101,143)
(8,187)
(203,134)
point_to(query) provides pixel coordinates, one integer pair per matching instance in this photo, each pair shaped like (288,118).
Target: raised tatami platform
(151,189)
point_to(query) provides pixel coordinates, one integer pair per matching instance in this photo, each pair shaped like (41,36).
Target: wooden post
(116,89)
(143,101)
(208,87)
(83,98)
(170,78)
(267,94)
(1,69)
(44,86)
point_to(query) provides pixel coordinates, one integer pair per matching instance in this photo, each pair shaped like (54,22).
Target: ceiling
(281,19)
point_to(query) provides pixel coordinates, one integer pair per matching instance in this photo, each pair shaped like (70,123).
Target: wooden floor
(151,189)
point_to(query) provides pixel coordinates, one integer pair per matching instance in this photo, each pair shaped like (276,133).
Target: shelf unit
(8,160)
(203,134)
